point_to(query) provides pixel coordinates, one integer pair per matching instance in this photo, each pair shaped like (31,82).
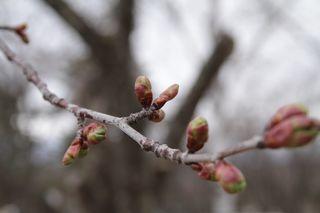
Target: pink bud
(157,115)
(294,131)
(197,134)
(167,95)
(229,177)
(287,112)
(72,152)
(142,89)
(94,133)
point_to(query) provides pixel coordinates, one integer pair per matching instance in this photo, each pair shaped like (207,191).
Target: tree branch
(146,144)
(88,34)
(125,19)
(207,75)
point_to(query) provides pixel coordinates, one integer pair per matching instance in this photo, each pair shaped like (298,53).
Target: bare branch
(146,144)
(207,75)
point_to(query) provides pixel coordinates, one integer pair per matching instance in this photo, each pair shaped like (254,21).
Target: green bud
(72,152)
(229,177)
(94,133)
(197,134)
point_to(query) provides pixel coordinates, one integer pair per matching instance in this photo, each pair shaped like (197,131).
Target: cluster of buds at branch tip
(92,134)
(197,134)
(291,127)
(20,30)
(167,95)
(157,115)
(143,91)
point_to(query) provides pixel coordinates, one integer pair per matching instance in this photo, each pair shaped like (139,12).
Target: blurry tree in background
(228,85)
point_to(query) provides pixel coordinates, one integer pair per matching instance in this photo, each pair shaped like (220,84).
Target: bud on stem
(197,134)
(229,177)
(167,95)
(94,133)
(72,152)
(286,112)
(142,89)
(291,127)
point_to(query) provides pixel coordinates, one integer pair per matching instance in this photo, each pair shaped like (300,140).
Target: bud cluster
(143,92)
(92,134)
(290,127)
(228,176)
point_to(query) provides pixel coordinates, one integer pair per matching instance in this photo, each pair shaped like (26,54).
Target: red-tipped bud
(72,152)
(229,177)
(20,30)
(207,171)
(287,112)
(294,131)
(197,134)
(94,133)
(142,89)
(166,96)
(157,115)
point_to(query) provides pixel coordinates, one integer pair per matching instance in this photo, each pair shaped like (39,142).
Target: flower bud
(72,152)
(207,171)
(166,96)
(94,133)
(286,112)
(157,115)
(229,177)
(20,30)
(142,89)
(197,134)
(295,131)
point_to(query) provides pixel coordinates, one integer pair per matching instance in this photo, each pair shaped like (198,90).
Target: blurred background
(236,61)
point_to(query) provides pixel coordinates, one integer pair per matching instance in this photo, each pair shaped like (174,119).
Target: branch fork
(289,127)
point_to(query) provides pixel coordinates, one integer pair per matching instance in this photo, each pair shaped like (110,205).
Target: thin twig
(123,123)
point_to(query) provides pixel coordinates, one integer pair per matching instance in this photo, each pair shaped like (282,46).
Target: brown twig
(123,123)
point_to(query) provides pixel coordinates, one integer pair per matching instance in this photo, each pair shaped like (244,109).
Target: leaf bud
(142,89)
(197,134)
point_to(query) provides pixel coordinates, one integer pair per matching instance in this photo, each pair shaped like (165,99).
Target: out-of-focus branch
(125,16)
(206,76)
(146,144)
(88,34)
